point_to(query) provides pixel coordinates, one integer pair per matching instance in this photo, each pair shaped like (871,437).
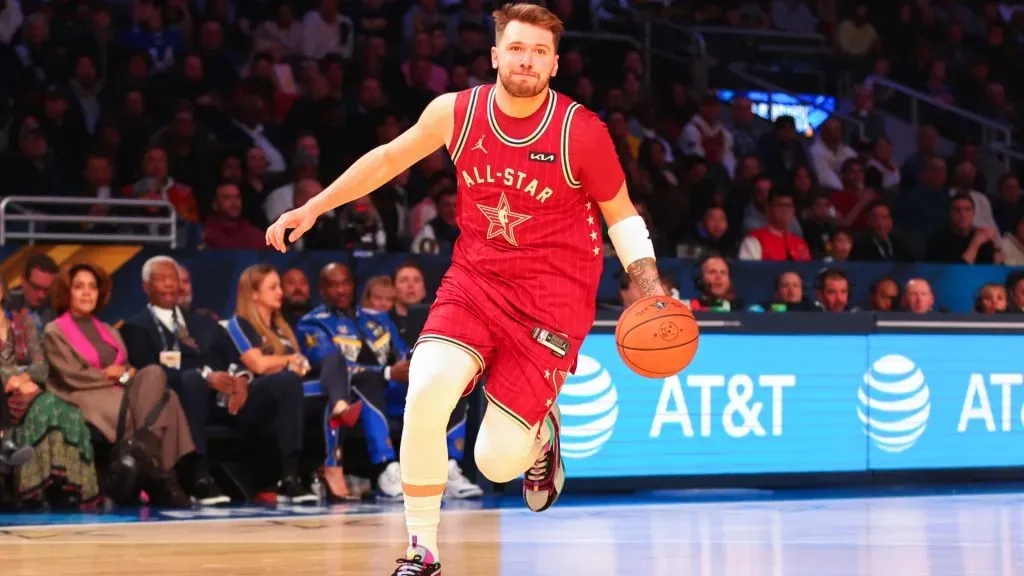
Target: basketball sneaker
(389,482)
(418,561)
(544,480)
(458,486)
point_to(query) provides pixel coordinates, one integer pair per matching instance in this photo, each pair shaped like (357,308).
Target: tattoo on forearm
(645,273)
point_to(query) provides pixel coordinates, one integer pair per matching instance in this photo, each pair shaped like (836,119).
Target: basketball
(657,337)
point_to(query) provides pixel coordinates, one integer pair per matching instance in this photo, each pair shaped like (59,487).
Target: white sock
(422,516)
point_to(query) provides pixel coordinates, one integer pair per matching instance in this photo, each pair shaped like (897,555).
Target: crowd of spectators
(177,371)
(234,112)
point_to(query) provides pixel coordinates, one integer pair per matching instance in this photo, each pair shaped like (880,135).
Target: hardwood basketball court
(749,534)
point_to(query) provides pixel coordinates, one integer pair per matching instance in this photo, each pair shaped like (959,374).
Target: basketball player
(536,172)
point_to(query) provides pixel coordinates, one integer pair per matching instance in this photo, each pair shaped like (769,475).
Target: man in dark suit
(187,345)
(248,130)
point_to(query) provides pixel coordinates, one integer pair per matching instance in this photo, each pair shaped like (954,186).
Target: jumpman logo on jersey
(479,145)
(502,220)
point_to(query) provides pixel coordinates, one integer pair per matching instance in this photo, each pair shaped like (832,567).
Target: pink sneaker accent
(418,561)
(543,482)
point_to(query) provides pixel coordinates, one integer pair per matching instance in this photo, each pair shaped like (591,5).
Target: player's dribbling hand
(299,221)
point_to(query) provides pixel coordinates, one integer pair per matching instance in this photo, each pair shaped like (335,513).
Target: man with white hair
(185,343)
(918,297)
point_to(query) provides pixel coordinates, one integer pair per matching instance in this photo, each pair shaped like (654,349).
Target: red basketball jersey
(530,228)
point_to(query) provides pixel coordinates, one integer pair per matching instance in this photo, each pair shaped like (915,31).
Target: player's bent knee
(495,466)
(503,448)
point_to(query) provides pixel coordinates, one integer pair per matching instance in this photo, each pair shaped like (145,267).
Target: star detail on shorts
(503,220)
(557,377)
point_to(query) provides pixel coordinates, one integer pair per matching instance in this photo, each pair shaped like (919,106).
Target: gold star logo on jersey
(503,220)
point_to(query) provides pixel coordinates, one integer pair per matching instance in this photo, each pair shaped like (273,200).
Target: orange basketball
(657,337)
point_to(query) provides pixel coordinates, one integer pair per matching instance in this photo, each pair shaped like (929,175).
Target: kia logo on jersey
(542,157)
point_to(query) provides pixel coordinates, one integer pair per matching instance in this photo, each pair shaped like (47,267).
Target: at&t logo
(894,403)
(590,407)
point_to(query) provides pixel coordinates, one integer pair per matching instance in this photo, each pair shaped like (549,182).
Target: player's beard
(523,88)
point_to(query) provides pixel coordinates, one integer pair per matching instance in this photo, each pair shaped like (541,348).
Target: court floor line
(252,514)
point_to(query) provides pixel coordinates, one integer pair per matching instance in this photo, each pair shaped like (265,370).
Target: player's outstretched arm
(632,242)
(375,169)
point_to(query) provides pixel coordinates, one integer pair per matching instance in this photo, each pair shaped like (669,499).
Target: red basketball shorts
(522,377)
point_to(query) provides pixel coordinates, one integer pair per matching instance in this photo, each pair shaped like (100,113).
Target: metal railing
(995,138)
(683,45)
(15,209)
(612,37)
(1001,134)
(740,70)
(779,36)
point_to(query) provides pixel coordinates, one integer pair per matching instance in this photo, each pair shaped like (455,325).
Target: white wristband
(631,240)
(387,372)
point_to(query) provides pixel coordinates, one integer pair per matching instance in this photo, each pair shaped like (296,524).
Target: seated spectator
(856,36)
(711,234)
(963,182)
(61,472)
(705,136)
(327,31)
(410,290)
(362,356)
(263,343)
(991,299)
(819,225)
(918,297)
(1015,291)
(916,165)
(960,241)
(438,235)
(360,227)
(1008,205)
(794,16)
(828,153)
(1012,244)
(887,173)
(378,295)
(157,184)
(755,213)
(714,286)
(873,125)
(89,369)
(282,36)
(832,288)
(359,355)
(248,130)
(884,295)
(775,242)
(745,126)
(924,209)
(295,286)
(226,228)
(782,151)
(878,244)
(839,246)
(185,295)
(33,297)
(169,335)
(306,166)
(852,201)
(788,296)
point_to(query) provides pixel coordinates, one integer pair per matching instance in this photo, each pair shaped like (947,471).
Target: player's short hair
(528,14)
